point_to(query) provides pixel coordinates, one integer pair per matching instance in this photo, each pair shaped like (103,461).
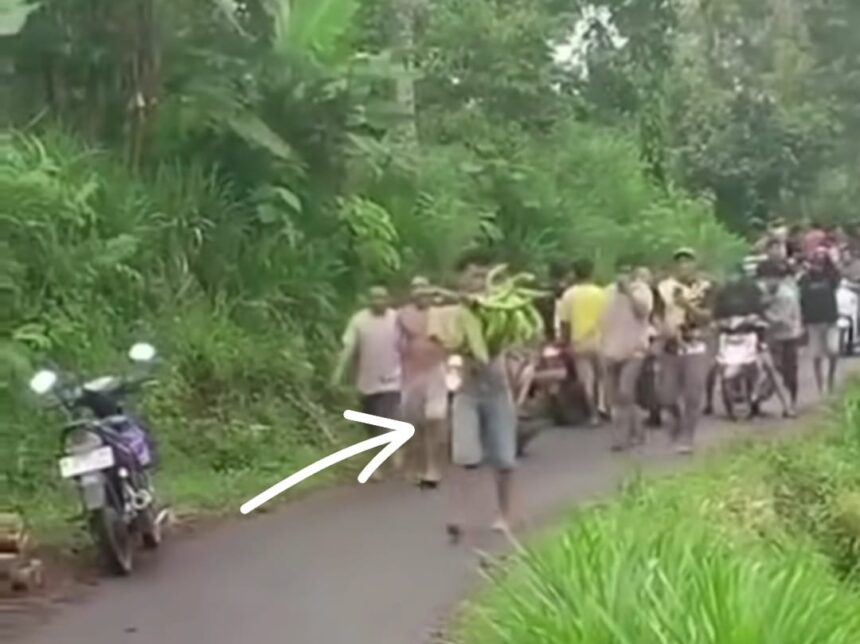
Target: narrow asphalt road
(356,565)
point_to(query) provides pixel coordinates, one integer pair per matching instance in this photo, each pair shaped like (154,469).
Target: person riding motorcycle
(741,298)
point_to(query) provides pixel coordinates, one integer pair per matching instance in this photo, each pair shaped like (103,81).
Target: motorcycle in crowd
(545,390)
(743,380)
(848,305)
(108,455)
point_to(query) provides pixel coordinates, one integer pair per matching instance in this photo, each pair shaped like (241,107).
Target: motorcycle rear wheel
(735,392)
(150,529)
(113,540)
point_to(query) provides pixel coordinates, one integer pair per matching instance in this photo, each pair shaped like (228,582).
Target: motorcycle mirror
(142,352)
(551,352)
(43,381)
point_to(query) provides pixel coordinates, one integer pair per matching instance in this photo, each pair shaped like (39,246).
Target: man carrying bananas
(483,414)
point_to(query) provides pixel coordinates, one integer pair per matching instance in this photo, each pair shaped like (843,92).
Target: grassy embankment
(762,545)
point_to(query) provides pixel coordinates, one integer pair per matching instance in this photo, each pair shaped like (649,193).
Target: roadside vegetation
(760,545)
(224,179)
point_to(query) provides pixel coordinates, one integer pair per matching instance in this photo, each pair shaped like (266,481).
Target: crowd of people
(645,341)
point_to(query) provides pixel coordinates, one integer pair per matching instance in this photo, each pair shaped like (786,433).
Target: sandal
(455,533)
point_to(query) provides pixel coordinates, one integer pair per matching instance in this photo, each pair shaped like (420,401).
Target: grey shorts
(823,340)
(683,377)
(484,430)
(426,397)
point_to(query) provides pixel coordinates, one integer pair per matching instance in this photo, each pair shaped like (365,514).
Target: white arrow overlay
(392,441)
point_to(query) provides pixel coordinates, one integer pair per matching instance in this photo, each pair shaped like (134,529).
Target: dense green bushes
(97,258)
(760,547)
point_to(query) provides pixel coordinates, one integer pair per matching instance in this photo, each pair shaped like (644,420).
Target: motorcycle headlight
(82,440)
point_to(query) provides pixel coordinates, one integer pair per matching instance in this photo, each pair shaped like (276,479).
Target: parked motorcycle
(743,379)
(108,455)
(848,305)
(557,388)
(529,398)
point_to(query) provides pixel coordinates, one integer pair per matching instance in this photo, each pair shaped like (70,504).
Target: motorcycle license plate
(696,348)
(78,464)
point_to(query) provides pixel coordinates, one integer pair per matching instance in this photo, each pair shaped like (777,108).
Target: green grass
(761,546)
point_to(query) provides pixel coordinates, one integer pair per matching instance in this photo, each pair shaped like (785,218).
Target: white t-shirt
(624,334)
(376,341)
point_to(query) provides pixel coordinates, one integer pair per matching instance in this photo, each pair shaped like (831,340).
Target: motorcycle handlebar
(135,383)
(739,323)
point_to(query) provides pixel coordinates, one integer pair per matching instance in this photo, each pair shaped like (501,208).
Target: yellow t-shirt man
(581,309)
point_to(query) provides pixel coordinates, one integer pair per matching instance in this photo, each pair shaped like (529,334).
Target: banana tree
(13,15)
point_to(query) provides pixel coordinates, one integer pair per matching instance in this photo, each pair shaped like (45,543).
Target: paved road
(358,565)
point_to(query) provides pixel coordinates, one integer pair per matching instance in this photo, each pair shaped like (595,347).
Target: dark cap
(771,269)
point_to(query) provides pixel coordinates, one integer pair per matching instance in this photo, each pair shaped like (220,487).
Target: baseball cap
(684,252)
(420,285)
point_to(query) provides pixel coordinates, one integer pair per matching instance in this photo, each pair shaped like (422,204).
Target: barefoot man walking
(425,394)
(483,417)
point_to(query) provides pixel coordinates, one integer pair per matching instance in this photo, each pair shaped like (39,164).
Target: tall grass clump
(760,547)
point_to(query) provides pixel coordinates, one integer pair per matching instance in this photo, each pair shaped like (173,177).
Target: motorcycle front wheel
(113,540)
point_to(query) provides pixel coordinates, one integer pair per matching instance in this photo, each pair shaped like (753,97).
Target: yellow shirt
(456,328)
(582,308)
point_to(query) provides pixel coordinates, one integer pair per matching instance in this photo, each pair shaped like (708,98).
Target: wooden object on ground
(22,572)
(13,534)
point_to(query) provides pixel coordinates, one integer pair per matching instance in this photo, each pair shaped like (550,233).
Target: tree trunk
(403,14)
(146,75)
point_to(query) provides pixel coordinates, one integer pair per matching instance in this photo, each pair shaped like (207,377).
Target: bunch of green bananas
(506,311)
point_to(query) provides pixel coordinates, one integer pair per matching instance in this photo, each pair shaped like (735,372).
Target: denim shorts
(484,430)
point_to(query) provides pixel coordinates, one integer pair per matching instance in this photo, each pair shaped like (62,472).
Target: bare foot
(503,526)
